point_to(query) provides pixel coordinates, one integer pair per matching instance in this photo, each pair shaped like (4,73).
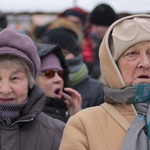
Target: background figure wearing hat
(21,101)
(122,122)
(101,17)
(80,17)
(61,101)
(76,15)
(79,78)
(3,21)
(64,22)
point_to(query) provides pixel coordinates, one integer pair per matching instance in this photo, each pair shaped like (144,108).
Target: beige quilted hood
(121,35)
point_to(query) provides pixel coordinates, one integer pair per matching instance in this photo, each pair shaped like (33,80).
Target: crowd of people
(80,82)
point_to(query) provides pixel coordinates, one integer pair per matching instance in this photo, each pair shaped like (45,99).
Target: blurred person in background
(76,15)
(3,21)
(64,22)
(100,18)
(61,101)
(80,17)
(79,79)
(37,31)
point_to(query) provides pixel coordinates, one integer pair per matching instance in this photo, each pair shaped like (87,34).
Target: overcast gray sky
(133,6)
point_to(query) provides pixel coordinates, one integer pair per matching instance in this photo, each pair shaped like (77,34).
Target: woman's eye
(131,55)
(15,78)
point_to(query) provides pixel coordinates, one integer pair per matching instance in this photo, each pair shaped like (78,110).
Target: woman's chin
(141,81)
(58,96)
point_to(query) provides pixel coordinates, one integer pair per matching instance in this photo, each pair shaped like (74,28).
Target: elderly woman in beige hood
(123,121)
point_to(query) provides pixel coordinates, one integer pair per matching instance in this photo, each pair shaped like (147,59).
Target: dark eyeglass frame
(50,73)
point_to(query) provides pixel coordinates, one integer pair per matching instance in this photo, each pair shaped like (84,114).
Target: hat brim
(15,52)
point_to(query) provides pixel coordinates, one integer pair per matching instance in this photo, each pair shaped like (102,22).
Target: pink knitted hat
(22,46)
(50,61)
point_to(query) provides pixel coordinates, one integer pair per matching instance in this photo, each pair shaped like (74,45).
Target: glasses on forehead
(50,73)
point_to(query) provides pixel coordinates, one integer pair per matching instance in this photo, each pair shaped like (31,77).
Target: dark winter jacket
(33,130)
(56,108)
(91,91)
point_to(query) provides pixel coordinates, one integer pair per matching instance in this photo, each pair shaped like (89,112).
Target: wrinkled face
(13,84)
(52,85)
(134,64)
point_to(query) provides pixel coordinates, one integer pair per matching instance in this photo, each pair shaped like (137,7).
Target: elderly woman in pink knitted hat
(61,100)
(23,126)
(123,121)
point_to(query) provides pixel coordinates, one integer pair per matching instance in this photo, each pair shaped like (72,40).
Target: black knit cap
(103,14)
(63,37)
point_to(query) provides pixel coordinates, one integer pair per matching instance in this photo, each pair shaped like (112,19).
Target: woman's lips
(6,99)
(141,80)
(57,93)
(143,77)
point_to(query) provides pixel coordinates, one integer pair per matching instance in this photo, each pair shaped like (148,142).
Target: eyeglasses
(50,73)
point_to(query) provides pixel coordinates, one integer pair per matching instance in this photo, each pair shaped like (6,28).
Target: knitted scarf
(10,111)
(138,134)
(78,70)
(78,76)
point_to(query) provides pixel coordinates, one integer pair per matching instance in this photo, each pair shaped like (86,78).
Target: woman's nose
(57,78)
(144,61)
(5,87)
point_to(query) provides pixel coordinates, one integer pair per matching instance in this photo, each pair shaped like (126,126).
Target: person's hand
(73,100)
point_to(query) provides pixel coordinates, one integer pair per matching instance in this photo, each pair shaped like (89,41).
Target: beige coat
(95,129)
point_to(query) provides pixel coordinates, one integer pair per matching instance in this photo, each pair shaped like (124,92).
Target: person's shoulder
(89,113)
(50,123)
(91,81)
(84,119)
(96,81)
